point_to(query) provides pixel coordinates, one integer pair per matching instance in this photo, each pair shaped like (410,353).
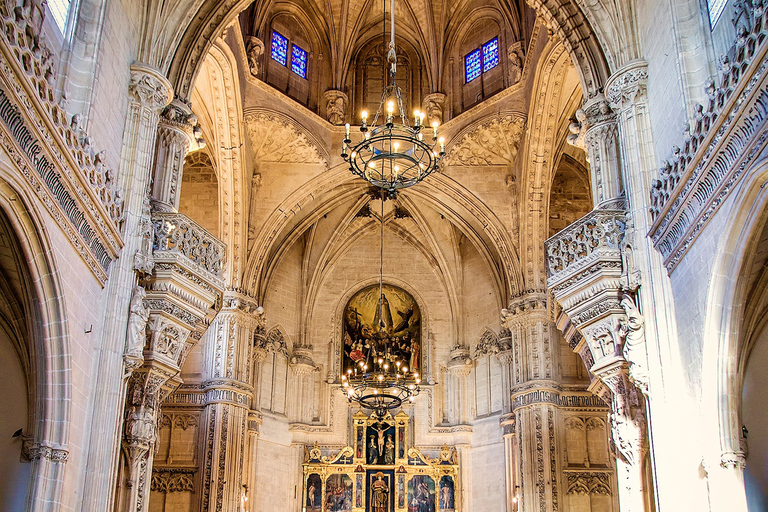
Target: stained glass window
(473,65)
(279,48)
(491,54)
(299,61)
(716,8)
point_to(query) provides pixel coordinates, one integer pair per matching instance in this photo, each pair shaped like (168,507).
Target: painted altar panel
(380,473)
(394,328)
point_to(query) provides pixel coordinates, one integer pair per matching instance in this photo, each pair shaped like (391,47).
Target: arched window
(483,72)
(60,11)
(290,55)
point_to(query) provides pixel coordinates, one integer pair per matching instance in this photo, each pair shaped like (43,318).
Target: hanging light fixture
(393,155)
(381,381)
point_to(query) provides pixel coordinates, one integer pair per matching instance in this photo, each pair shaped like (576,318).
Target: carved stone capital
(336,107)
(149,87)
(627,85)
(733,460)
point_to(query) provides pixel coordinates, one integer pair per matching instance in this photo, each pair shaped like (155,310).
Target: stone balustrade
(597,235)
(177,234)
(21,33)
(746,50)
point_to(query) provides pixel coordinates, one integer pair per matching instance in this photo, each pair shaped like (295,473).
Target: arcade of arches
(187,264)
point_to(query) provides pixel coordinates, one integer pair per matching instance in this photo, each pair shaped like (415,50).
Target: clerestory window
(280,45)
(481,60)
(59,11)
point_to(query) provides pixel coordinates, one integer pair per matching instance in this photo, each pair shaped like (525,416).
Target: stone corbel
(336,107)
(460,362)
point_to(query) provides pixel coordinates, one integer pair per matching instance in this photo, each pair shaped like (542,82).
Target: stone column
(528,322)
(175,133)
(601,141)
(459,367)
(511,450)
(149,92)
(254,421)
(229,395)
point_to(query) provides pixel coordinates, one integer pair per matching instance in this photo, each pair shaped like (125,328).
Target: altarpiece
(379,472)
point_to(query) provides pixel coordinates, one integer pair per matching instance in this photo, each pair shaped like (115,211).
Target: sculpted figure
(336,107)
(515,66)
(254,52)
(137,323)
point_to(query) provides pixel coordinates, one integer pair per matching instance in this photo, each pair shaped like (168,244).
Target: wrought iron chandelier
(393,155)
(380,381)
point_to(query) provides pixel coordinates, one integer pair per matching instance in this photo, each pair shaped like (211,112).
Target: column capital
(149,87)
(624,86)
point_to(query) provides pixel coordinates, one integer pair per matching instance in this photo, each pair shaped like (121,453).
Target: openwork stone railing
(722,144)
(597,234)
(733,67)
(22,34)
(177,233)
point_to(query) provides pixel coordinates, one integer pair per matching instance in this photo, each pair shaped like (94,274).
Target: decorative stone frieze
(278,139)
(336,107)
(723,141)
(167,480)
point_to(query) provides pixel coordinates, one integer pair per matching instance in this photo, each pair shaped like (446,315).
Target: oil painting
(386,321)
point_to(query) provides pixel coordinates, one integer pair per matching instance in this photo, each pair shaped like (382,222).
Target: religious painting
(380,447)
(380,491)
(338,493)
(446,493)
(372,330)
(360,433)
(421,494)
(359,490)
(400,491)
(314,502)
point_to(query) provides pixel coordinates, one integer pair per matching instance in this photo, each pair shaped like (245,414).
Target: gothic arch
(48,344)
(726,341)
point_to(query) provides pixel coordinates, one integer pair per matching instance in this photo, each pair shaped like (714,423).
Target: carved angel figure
(254,51)
(137,323)
(515,70)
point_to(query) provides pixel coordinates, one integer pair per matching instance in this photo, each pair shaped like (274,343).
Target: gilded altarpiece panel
(379,472)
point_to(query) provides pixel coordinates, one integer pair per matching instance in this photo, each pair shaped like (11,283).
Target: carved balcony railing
(21,28)
(720,145)
(176,235)
(594,238)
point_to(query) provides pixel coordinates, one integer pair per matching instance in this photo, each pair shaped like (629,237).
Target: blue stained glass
(299,61)
(472,65)
(279,48)
(491,54)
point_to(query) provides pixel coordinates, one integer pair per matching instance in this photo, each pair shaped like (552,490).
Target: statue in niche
(137,324)
(373,452)
(379,494)
(254,52)
(389,451)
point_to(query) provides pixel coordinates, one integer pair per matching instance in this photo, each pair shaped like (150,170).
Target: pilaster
(149,92)
(600,138)
(229,461)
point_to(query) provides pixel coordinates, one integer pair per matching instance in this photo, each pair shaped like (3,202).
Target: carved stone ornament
(137,332)
(495,142)
(433,106)
(167,480)
(515,54)
(149,88)
(335,107)
(254,51)
(274,138)
(698,177)
(143,262)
